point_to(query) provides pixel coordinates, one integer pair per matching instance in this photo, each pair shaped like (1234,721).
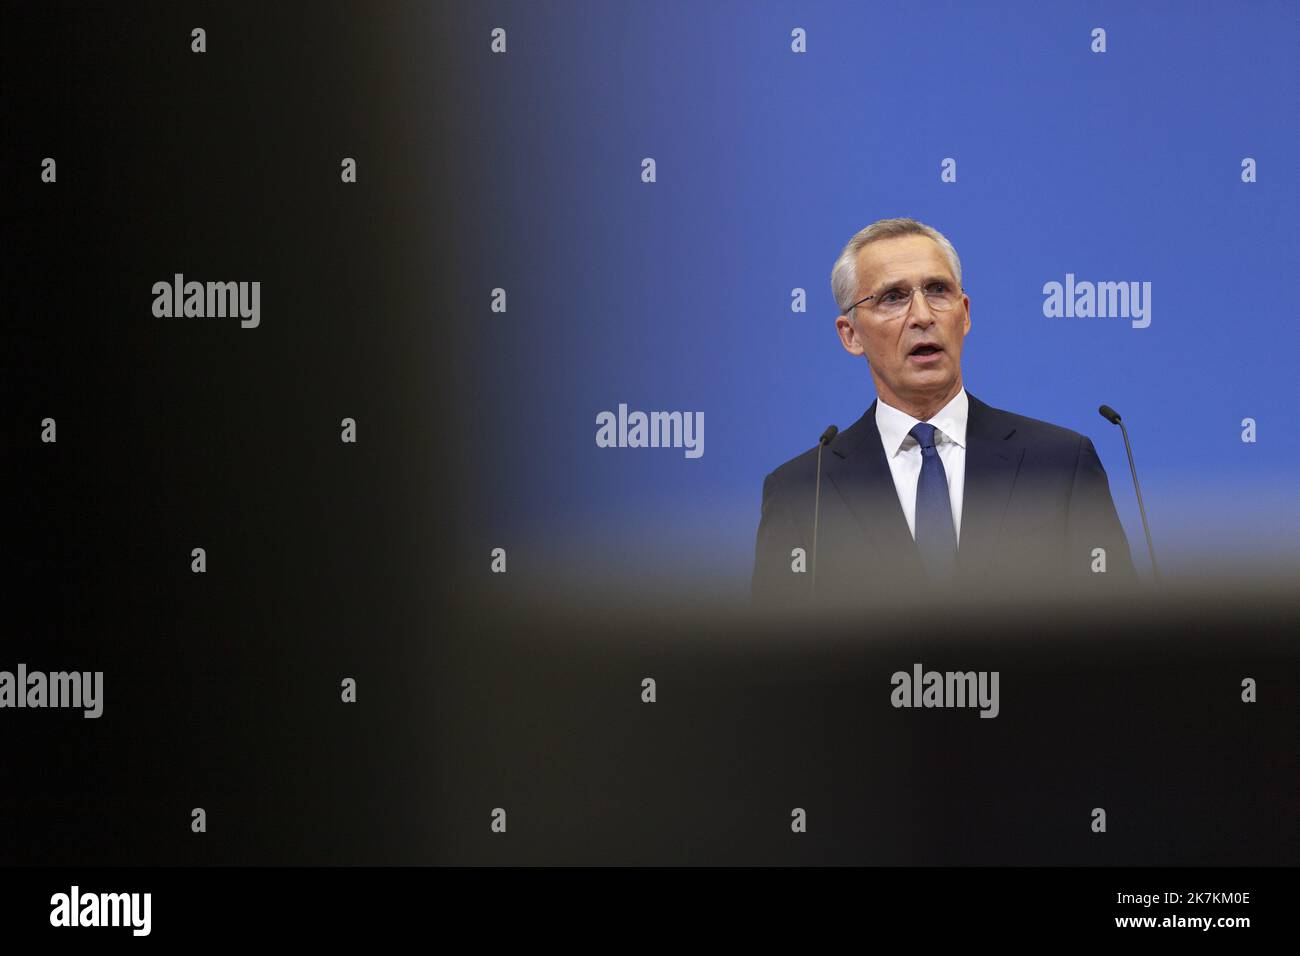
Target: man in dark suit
(932,492)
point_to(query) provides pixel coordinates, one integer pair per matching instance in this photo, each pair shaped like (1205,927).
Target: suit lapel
(859,472)
(992,460)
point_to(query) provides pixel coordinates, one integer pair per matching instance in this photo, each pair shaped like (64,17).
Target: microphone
(828,436)
(1112,416)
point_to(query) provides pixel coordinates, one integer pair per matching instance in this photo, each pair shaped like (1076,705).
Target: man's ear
(849,335)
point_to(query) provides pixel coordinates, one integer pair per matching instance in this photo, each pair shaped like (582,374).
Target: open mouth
(924,350)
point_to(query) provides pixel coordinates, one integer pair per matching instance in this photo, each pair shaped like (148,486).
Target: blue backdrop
(676,295)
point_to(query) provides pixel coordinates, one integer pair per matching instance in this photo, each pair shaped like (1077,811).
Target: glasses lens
(893,302)
(940,298)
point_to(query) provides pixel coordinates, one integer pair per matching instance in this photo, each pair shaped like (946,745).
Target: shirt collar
(894,425)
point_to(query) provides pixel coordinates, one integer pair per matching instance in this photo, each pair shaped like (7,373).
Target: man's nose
(919,309)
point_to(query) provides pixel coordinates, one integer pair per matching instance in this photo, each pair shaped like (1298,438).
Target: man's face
(905,377)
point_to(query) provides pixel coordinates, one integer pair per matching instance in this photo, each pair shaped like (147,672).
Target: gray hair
(844,276)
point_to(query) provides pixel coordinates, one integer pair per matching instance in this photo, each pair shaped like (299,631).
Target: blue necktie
(935,536)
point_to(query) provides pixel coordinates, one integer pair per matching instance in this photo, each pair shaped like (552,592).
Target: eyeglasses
(940,296)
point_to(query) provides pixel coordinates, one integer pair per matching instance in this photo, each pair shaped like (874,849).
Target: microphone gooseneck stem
(817,509)
(1146,528)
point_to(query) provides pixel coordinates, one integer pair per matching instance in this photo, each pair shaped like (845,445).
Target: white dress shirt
(904,453)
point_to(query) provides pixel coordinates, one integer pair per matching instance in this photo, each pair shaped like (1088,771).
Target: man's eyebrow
(891,283)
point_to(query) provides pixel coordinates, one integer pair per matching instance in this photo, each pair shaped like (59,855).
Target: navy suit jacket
(1036,504)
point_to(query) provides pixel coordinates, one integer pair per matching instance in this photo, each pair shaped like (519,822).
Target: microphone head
(828,436)
(1109,414)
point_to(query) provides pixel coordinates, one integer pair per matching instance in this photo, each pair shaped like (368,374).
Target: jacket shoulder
(802,468)
(1035,431)
(799,469)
